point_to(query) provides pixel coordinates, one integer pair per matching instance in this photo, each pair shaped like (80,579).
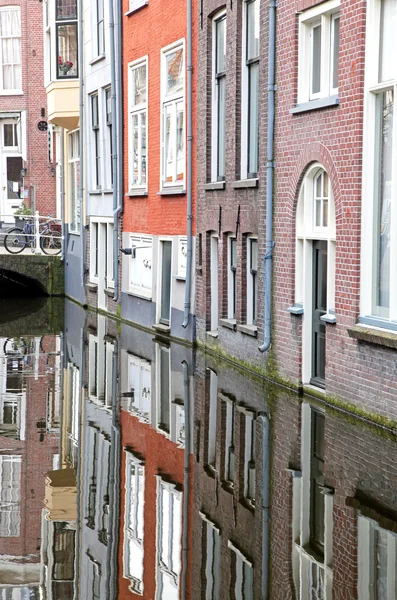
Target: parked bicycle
(17,239)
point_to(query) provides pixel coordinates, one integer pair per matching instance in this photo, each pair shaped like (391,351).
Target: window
(100,27)
(139,388)
(10,495)
(379,292)
(74,181)
(212,537)
(229,442)
(321,197)
(213,407)
(169,542)
(94,247)
(250,90)
(163,390)
(137,99)
(10,49)
(134,522)
(66,39)
(96,141)
(252,281)
(319,52)
(10,135)
(108,106)
(377,552)
(231,278)
(249,457)
(173,114)
(242,576)
(218,159)
(141,265)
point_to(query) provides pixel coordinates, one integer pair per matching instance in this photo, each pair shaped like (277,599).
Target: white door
(11,186)
(214,284)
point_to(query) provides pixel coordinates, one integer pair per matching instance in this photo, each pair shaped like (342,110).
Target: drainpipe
(268,258)
(185,539)
(79,471)
(114,486)
(81,140)
(265,502)
(115,56)
(189,185)
(62,191)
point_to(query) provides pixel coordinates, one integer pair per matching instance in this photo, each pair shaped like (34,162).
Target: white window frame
(141,242)
(252,283)
(159,353)
(173,567)
(230,440)
(98,50)
(231,280)
(161,240)
(368,530)
(242,563)
(94,251)
(212,557)
(10,506)
(109,124)
(373,90)
(73,159)
(215,101)
(212,419)
(249,455)
(143,372)
(137,110)
(172,100)
(323,14)
(16,128)
(245,106)
(95,254)
(15,90)
(134,519)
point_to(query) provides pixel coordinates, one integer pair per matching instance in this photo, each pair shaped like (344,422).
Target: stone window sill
(132,12)
(136,294)
(172,192)
(215,185)
(109,292)
(245,183)
(251,330)
(162,328)
(97,59)
(228,323)
(315,105)
(213,334)
(330,317)
(136,193)
(92,287)
(296,309)
(373,335)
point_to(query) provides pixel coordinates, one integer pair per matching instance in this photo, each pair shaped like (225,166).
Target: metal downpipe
(189,183)
(185,538)
(268,258)
(62,192)
(81,141)
(265,503)
(115,154)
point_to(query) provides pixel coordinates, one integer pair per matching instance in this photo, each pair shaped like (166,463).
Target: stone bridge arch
(40,274)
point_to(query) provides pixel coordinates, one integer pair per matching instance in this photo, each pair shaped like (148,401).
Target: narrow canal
(134,467)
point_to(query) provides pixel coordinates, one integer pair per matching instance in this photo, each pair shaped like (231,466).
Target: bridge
(36,274)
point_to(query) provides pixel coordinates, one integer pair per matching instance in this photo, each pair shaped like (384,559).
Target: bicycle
(17,239)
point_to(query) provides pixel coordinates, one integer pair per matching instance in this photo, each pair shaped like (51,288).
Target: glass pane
(180,142)
(252,29)
(385,184)
(233,253)
(66,9)
(135,149)
(143,148)
(165,384)
(168,143)
(316,59)
(325,212)
(174,61)
(319,185)
(318,213)
(94,114)
(221,126)
(166,282)
(221,45)
(253,129)
(101,37)
(325,183)
(254,255)
(388,47)
(139,85)
(8,135)
(335,52)
(67,50)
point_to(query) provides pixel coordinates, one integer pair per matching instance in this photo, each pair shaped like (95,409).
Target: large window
(173,113)
(169,542)
(137,99)
(10,496)
(319,52)
(66,38)
(10,49)
(252,280)
(100,27)
(74,181)
(133,522)
(379,216)
(232,278)
(96,141)
(218,158)
(250,90)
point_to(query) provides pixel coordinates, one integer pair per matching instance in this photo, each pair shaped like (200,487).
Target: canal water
(131,467)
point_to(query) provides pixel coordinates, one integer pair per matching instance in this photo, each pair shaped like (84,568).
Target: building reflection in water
(132,467)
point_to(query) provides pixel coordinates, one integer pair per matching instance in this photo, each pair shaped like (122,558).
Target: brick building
(334,226)
(25,140)
(231,174)
(156,159)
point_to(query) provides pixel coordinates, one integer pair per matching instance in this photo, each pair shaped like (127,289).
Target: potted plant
(21,214)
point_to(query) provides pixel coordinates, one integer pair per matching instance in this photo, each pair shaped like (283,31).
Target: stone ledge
(91,287)
(372,335)
(162,328)
(248,329)
(229,323)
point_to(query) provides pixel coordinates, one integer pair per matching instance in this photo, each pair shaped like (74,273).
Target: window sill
(136,193)
(97,59)
(109,292)
(213,334)
(245,183)
(139,295)
(296,309)
(179,278)
(133,11)
(172,192)
(92,287)
(330,317)
(251,330)
(373,335)
(315,105)
(11,93)
(215,185)
(228,323)
(162,328)
(95,192)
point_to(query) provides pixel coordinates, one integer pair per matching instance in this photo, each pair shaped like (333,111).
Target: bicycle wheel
(51,242)
(15,241)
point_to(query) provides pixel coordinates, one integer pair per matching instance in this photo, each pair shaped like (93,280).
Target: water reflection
(134,467)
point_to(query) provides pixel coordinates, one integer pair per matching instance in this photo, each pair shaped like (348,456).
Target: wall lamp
(23,172)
